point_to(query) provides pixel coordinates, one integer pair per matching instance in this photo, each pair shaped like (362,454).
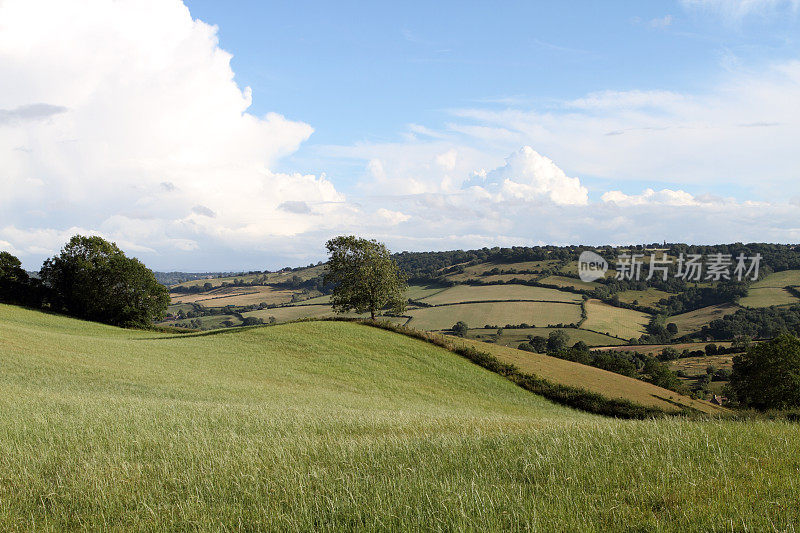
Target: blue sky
(241,135)
(361,71)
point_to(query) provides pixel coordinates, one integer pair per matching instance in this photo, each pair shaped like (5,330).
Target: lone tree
(92,278)
(768,375)
(364,276)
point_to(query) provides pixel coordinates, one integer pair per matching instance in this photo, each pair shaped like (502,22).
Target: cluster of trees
(700,388)
(316,283)
(757,323)
(765,377)
(431,265)
(627,363)
(196,323)
(198,310)
(91,279)
(428,266)
(740,344)
(697,297)
(671,354)
(659,331)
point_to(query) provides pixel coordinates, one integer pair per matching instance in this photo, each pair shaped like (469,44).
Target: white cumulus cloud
(528,175)
(649,196)
(124,118)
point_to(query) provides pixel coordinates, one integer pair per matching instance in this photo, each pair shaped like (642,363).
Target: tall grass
(333,426)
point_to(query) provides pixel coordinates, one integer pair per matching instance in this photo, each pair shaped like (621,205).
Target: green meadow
(540,314)
(330,425)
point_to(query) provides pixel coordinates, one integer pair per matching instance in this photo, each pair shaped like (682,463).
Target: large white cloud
(123,117)
(528,175)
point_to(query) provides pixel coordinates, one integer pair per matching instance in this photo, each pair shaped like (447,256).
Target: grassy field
(563,281)
(695,320)
(513,337)
(654,349)
(418,292)
(320,426)
(174,308)
(506,270)
(317,300)
(767,296)
(695,366)
(289,313)
(505,278)
(414,292)
(771,290)
(522,266)
(616,321)
(495,314)
(475,293)
(781,279)
(649,297)
(273,277)
(206,322)
(571,269)
(216,321)
(236,296)
(594,379)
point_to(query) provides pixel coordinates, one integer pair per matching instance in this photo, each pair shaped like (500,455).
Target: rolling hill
(322,425)
(773,290)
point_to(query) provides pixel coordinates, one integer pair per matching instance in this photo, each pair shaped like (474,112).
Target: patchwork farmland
(502,304)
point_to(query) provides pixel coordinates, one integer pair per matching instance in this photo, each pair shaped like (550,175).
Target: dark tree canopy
(767,376)
(364,276)
(92,278)
(460,328)
(15,284)
(557,341)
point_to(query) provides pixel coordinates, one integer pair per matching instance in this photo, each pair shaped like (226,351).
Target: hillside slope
(328,425)
(607,383)
(324,366)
